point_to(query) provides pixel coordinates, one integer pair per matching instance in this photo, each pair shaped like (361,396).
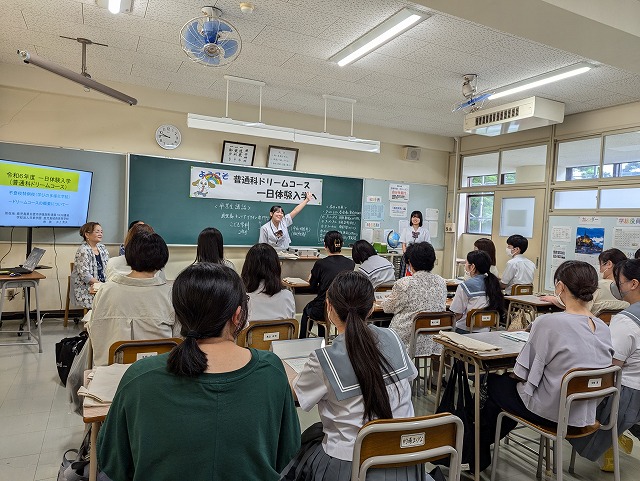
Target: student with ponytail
(480,291)
(322,274)
(364,374)
(209,409)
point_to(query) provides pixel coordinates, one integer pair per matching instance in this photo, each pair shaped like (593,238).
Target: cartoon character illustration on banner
(206,181)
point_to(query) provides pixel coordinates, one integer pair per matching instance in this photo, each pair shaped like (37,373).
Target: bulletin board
(584,237)
(387,204)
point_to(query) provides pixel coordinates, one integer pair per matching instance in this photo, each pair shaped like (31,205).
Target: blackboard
(159,194)
(107,202)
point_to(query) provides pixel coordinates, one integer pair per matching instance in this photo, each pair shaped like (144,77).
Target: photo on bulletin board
(282,158)
(238,153)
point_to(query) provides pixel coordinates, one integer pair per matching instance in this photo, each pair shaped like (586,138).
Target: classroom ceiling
(411,83)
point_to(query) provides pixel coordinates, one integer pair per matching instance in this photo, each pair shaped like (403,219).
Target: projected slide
(42,196)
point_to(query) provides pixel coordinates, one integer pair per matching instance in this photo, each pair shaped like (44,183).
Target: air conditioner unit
(529,113)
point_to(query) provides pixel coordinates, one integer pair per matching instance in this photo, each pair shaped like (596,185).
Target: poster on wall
(398,209)
(561,234)
(399,192)
(589,244)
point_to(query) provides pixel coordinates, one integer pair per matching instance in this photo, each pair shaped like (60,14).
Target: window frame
(468,216)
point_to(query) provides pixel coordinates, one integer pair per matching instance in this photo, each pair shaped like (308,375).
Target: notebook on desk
(295,352)
(29,265)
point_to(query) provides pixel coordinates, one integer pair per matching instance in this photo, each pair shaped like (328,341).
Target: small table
(530,306)
(23,281)
(485,361)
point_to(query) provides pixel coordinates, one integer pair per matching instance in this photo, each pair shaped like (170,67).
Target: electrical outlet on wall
(450,227)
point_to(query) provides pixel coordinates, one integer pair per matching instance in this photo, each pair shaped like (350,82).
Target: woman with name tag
(276,231)
(90,263)
(625,336)
(361,376)
(558,342)
(262,276)
(480,291)
(209,409)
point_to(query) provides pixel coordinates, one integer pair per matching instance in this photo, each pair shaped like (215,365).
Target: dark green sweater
(240,425)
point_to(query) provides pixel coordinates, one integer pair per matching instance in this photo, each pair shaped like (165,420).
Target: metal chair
(127,352)
(427,323)
(577,385)
(606,315)
(259,334)
(481,318)
(522,290)
(385,443)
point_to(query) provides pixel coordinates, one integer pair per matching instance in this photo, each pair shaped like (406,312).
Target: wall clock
(168,136)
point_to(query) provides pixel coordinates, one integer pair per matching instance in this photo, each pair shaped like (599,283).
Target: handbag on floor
(66,351)
(77,467)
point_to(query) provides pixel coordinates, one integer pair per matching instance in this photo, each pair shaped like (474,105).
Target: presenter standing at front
(276,231)
(415,232)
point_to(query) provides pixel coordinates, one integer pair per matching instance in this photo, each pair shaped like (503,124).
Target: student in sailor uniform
(481,291)
(364,374)
(378,269)
(276,231)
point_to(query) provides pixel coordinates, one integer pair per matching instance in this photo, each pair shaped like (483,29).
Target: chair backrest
(583,384)
(480,318)
(430,322)
(386,443)
(259,334)
(127,352)
(606,315)
(522,289)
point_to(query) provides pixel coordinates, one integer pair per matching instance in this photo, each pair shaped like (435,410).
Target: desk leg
(38,320)
(476,388)
(440,374)
(93,452)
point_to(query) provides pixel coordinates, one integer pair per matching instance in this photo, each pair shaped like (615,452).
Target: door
(519,212)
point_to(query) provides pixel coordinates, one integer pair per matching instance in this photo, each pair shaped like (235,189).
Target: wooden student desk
(530,306)
(483,361)
(23,281)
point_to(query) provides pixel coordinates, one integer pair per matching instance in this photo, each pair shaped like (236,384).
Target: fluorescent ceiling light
(337,141)
(374,38)
(114,6)
(538,80)
(258,129)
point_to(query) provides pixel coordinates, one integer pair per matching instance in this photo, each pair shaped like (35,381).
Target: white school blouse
(268,233)
(406,237)
(266,308)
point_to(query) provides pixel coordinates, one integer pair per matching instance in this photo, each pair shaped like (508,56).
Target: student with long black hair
(364,374)
(480,291)
(262,276)
(211,248)
(209,409)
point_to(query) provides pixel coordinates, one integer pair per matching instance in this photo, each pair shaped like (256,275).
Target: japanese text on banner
(250,186)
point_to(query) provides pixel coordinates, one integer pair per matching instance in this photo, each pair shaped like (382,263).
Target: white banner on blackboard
(239,185)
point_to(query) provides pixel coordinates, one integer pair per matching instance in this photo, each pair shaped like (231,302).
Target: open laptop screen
(32,261)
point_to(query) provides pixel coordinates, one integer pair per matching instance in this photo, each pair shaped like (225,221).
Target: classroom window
(524,165)
(579,159)
(575,199)
(620,198)
(478,170)
(621,155)
(479,214)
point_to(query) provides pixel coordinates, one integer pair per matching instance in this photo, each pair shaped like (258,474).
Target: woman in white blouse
(361,376)
(261,274)
(415,232)
(276,231)
(420,292)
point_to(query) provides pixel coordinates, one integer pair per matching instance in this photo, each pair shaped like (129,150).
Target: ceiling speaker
(411,153)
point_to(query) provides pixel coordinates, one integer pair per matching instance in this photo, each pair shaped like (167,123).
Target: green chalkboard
(160,194)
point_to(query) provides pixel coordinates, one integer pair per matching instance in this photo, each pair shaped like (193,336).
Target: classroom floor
(36,425)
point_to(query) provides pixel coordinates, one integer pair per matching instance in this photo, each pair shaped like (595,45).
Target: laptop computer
(295,352)
(29,265)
